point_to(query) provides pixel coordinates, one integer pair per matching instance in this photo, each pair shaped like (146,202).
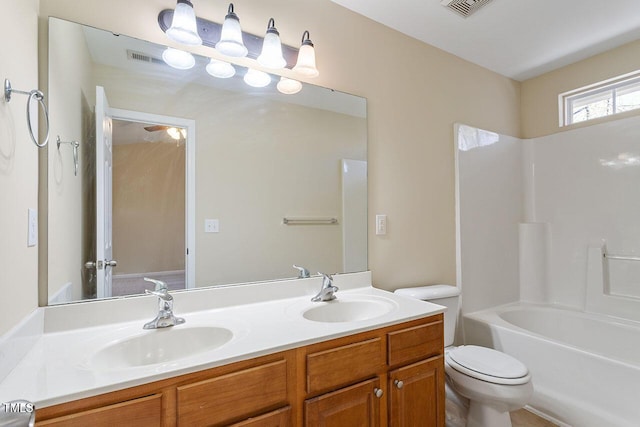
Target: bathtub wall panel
(586,188)
(490,207)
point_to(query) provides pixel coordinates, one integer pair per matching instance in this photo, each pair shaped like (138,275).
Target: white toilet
(494,382)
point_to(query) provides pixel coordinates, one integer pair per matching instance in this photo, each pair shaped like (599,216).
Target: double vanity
(251,355)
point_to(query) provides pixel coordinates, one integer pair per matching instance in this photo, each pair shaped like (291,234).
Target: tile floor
(524,418)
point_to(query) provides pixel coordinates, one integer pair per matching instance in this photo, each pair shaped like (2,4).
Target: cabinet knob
(378,392)
(398,383)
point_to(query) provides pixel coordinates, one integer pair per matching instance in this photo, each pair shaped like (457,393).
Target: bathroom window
(600,100)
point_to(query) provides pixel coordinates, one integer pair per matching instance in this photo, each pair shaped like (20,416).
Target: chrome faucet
(165,317)
(327,292)
(303,273)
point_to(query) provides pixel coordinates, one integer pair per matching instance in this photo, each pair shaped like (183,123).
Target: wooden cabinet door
(354,406)
(416,394)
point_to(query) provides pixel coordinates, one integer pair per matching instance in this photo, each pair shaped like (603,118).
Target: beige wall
(540,114)
(18,163)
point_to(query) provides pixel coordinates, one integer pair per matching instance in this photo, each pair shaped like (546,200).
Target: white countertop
(57,368)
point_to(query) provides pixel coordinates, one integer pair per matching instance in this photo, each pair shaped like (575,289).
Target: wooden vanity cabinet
(392,376)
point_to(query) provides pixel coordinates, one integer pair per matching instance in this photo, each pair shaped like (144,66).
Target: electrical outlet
(32,228)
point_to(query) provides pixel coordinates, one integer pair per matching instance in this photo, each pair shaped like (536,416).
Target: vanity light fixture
(257,78)
(271,56)
(184,28)
(306,64)
(231,43)
(229,40)
(178,59)
(220,69)
(289,86)
(177,133)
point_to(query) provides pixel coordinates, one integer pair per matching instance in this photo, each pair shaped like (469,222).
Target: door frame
(190,176)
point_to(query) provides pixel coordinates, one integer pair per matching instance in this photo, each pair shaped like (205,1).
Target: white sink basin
(349,310)
(159,346)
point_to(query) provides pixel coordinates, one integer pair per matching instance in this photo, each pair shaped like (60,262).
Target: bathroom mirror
(210,181)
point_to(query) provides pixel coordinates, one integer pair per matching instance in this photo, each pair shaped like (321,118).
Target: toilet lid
(488,365)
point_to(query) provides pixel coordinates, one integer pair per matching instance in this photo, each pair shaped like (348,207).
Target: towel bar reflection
(621,257)
(309,221)
(75,145)
(38,96)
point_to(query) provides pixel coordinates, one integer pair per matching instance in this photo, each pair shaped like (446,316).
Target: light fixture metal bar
(210,33)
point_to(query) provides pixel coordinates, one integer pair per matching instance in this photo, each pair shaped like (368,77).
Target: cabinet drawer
(418,342)
(234,396)
(278,418)
(344,365)
(143,412)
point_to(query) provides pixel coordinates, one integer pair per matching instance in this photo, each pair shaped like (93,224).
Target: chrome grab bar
(621,257)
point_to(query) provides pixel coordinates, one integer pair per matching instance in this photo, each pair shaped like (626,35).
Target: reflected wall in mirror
(250,158)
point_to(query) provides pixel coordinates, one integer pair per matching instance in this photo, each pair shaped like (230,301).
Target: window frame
(567,99)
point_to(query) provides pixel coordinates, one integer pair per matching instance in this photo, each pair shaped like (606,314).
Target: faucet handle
(160,285)
(303,272)
(163,294)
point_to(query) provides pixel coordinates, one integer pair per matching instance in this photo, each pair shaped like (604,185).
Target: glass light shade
(220,69)
(256,78)
(271,55)
(178,59)
(231,43)
(184,28)
(289,86)
(306,64)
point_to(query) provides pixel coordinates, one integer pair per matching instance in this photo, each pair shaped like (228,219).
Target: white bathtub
(585,367)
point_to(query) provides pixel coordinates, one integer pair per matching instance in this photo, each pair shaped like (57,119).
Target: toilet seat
(488,365)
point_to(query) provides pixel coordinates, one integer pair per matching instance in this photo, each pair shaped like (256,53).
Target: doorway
(151,202)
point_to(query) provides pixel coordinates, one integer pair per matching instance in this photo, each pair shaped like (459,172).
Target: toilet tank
(446,295)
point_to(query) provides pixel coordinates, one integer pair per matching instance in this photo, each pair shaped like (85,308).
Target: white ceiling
(516,38)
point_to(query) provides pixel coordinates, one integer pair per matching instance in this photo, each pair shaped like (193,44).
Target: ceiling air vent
(143,57)
(464,8)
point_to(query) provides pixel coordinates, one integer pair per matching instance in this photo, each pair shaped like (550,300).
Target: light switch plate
(32,228)
(211,226)
(381,224)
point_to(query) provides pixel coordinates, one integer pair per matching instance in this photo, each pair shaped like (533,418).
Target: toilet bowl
(493,382)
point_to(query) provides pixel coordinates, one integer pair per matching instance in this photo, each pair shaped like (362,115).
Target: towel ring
(38,96)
